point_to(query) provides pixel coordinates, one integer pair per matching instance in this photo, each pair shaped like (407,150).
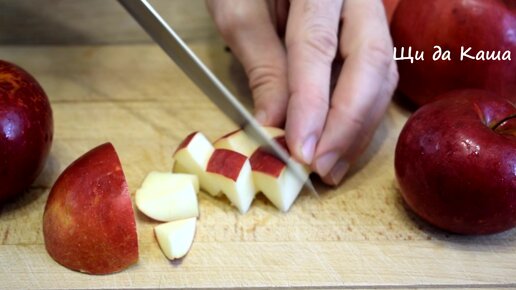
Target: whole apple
(486,27)
(26,130)
(455,162)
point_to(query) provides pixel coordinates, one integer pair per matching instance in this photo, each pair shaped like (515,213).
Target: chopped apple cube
(192,157)
(166,196)
(272,177)
(232,172)
(175,238)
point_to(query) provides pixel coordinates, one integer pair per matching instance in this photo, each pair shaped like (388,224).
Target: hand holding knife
(196,70)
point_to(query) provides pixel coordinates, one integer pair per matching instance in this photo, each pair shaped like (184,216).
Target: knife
(196,70)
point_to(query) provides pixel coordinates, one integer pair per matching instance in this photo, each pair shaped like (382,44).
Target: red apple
(485,26)
(26,130)
(455,163)
(89,223)
(390,8)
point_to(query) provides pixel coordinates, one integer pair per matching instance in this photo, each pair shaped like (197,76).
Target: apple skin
(88,223)
(481,24)
(226,163)
(390,8)
(267,163)
(454,170)
(26,130)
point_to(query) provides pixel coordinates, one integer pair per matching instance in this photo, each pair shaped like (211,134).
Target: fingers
(363,89)
(248,29)
(311,40)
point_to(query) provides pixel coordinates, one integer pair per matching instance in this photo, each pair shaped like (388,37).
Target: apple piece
(88,222)
(232,172)
(175,238)
(483,25)
(455,163)
(240,142)
(272,177)
(192,157)
(166,196)
(26,130)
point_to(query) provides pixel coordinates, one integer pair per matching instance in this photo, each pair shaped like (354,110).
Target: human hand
(290,80)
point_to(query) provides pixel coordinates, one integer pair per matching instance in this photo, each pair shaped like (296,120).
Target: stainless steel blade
(194,68)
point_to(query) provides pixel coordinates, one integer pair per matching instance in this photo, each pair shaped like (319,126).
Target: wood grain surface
(358,235)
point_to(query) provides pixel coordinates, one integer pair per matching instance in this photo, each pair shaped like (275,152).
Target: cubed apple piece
(175,238)
(232,172)
(192,157)
(272,177)
(88,223)
(166,196)
(240,142)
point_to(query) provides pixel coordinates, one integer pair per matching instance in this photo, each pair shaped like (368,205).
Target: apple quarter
(192,157)
(166,196)
(232,172)
(176,238)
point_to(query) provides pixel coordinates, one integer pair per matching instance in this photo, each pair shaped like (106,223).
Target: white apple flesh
(175,238)
(192,157)
(240,142)
(166,196)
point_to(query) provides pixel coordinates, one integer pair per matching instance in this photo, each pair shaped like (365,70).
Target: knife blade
(159,30)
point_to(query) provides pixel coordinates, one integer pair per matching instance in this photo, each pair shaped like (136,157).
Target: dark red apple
(26,130)
(390,8)
(485,26)
(89,223)
(455,162)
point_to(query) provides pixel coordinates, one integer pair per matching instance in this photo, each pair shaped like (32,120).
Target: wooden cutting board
(357,235)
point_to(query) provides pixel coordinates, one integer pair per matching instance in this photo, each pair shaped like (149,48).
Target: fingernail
(325,163)
(261,117)
(339,170)
(309,148)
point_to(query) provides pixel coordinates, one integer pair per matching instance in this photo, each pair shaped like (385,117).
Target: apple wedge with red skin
(455,163)
(26,130)
(88,223)
(483,25)
(272,177)
(192,157)
(232,172)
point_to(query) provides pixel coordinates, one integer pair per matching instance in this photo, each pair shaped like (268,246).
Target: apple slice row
(235,166)
(270,175)
(171,198)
